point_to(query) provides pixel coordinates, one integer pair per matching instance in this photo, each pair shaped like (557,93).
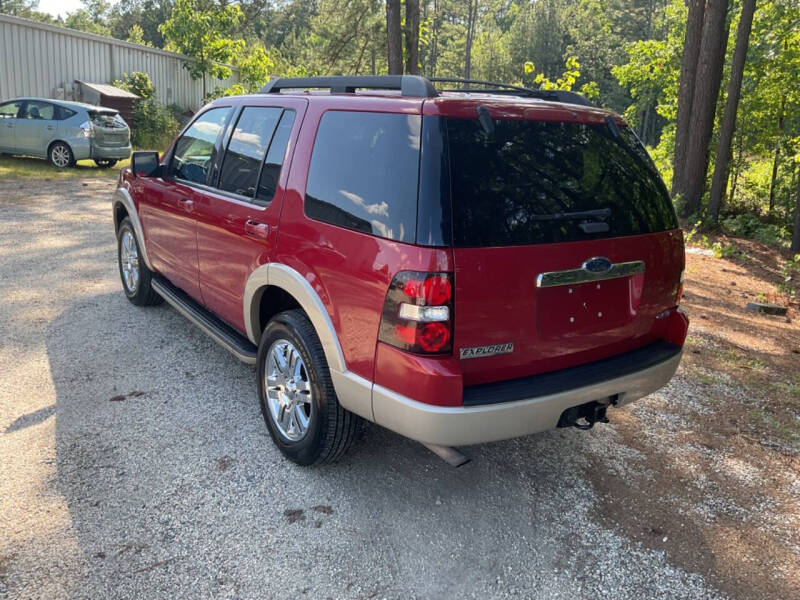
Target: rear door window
(517,184)
(364,172)
(194,149)
(271,171)
(63,113)
(251,136)
(38,110)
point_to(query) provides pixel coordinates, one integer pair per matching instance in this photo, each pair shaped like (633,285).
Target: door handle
(256,229)
(50,128)
(9,125)
(187,205)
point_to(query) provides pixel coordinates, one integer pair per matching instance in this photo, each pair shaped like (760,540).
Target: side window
(63,113)
(245,152)
(9,110)
(192,156)
(39,110)
(364,173)
(271,171)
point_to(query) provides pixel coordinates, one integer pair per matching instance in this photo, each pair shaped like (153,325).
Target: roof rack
(495,87)
(409,85)
(415,86)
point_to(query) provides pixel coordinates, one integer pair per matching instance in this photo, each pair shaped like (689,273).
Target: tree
(202,33)
(345,36)
(412,37)
(720,177)
(136,36)
(704,103)
(472,19)
(691,51)
(394,34)
(146,14)
(796,230)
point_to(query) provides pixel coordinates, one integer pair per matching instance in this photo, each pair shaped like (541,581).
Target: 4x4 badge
(481,351)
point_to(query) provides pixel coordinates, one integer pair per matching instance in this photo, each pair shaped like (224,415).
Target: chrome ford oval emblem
(598,264)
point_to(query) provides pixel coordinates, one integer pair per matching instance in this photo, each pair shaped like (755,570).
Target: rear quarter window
(364,173)
(508,184)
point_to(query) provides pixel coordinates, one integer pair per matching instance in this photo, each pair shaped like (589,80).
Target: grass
(12,167)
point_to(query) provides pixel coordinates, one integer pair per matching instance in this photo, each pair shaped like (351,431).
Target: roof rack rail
(495,87)
(415,86)
(408,85)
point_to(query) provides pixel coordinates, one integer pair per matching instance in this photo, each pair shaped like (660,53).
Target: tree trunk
(776,160)
(691,51)
(728,126)
(472,13)
(704,103)
(773,178)
(412,37)
(796,231)
(394,35)
(434,39)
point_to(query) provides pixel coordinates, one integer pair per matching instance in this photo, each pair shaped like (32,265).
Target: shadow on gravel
(175,489)
(32,418)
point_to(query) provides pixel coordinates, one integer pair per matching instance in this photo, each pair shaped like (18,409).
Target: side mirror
(145,164)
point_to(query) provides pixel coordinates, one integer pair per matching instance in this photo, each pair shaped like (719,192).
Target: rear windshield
(532,182)
(107,119)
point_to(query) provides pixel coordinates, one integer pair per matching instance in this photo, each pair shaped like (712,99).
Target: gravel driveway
(134,462)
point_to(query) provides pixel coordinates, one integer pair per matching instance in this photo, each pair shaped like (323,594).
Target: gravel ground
(134,462)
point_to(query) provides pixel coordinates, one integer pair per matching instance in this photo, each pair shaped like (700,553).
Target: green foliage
(154,125)
(137,83)
(136,36)
(254,68)
(203,32)
(565,82)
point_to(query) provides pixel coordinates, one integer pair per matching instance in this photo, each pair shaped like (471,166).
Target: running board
(222,333)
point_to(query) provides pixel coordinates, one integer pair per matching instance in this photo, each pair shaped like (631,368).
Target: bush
(749,226)
(154,125)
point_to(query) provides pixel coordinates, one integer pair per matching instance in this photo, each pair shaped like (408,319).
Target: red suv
(458,266)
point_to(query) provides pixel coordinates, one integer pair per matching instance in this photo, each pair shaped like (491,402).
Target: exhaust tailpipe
(448,454)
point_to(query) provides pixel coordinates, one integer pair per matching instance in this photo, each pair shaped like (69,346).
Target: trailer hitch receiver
(584,416)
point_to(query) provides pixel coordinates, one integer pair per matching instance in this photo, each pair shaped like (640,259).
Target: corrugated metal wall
(40,60)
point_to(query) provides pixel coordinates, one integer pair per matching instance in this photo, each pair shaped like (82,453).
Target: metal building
(37,59)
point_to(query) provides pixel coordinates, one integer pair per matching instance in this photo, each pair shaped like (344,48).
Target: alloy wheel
(60,156)
(288,389)
(129,261)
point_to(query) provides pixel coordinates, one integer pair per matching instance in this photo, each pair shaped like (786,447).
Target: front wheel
(133,271)
(299,404)
(105,163)
(60,155)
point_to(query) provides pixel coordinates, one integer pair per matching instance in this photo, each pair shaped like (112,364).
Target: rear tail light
(418,313)
(87,129)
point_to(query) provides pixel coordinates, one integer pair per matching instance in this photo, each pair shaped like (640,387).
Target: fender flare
(354,392)
(121,196)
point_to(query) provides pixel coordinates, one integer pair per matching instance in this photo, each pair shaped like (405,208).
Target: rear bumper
(111,152)
(464,425)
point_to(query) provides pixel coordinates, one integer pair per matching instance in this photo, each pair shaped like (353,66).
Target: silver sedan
(63,132)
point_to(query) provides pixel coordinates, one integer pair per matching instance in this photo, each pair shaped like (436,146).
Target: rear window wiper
(599,213)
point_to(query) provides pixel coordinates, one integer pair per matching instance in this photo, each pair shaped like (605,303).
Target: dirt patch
(714,480)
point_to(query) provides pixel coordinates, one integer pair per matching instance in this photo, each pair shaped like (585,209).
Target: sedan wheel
(60,155)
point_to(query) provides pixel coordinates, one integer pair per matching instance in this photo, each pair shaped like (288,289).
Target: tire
(105,163)
(330,429)
(60,155)
(133,272)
